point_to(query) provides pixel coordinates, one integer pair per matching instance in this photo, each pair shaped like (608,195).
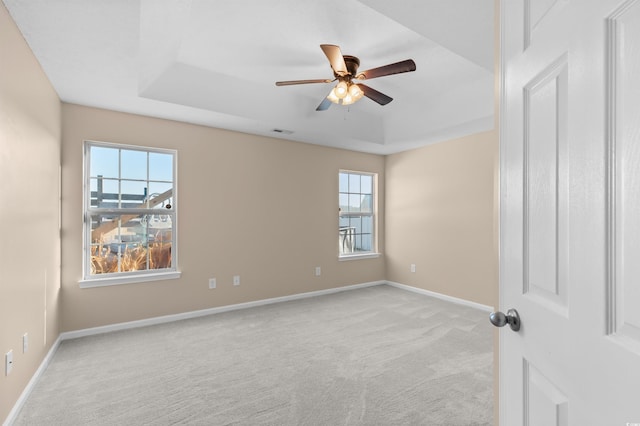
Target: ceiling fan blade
(292,82)
(335,58)
(324,105)
(397,68)
(374,95)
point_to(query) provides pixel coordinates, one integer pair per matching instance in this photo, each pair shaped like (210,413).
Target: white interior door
(570,212)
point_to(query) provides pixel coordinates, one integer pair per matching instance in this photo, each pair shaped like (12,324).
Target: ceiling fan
(345,71)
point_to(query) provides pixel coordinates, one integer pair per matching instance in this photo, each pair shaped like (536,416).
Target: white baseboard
(210,311)
(204,312)
(442,296)
(32,383)
(161,320)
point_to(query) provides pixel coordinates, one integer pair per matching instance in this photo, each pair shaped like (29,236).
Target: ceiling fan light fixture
(348,100)
(345,70)
(341,90)
(340,96)
(332,96)
(355,92)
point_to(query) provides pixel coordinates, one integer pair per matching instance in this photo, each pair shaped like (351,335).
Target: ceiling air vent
(282,131)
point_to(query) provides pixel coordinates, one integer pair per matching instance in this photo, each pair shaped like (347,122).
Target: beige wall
(258,207)
(441,213)
(440,216)
(29,211)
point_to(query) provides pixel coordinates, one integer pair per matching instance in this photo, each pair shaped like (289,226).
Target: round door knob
(500,320)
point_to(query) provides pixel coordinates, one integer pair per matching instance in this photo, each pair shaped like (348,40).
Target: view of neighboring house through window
(356,203)
(130,211)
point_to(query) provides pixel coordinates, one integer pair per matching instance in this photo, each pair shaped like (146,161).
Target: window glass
(366,184)
(160,167)
(133,164)
(354,183)
(343,182)
(354,202)
(130,210)
(104,162)
(356,213)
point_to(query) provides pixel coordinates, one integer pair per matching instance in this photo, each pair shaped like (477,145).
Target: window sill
(129,279)
(358,256)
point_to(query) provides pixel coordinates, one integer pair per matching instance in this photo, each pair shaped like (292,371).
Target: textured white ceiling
(215,62)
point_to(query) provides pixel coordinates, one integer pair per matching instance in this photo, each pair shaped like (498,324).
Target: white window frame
(114,278)
(373,253)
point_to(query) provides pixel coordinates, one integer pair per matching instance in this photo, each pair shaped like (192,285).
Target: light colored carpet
(372,356)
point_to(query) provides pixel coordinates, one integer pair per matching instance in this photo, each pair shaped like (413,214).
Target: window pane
(96,197)
(366,183)
(357,245)
(346,239)
(110,193)
(159,235)
(133,194)
(160,195)
(104,162)
(104,193)
(343,182)
(365,205)
(133,164)
(126,243)
(366,242)
(110,186)
(356,224)
(344,203)
(357,234)
(157,226)
(119,178)
(354,202)
(367,224)
(160,166)
(354,183)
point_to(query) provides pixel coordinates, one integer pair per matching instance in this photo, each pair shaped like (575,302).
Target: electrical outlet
(8,362)
(25,343)
(318,271)
(413,267)
(236,280)
(212,283)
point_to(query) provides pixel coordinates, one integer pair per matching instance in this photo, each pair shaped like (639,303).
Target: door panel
(570,212)
(545,404)
(545,187)
(624,108)
(535,12)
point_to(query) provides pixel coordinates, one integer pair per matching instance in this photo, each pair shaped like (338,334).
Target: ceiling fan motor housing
(345,70)
(352,64)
